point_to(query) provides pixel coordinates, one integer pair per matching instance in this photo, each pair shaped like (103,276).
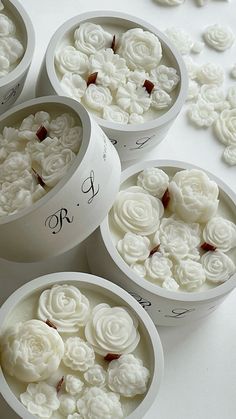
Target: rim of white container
(30,43)
(86,125)
(154,123)
(217,291)
(84,278)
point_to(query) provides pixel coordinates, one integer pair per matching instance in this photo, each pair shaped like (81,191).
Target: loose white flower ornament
(97,403)
(155,181)
(214,95)
(220,233)
(79,355)
(225,127)
(219,37)
(134,248)
(165,77)
(160,99)
(189,274)
(218,266)
(181,39)
(90,38)
(210,73)
(229,155)
(133,99)
(40,399)
(202,113)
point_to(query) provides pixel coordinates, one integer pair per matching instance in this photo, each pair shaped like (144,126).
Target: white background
(200,359)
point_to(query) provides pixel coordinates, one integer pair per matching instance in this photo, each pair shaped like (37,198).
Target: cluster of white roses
(34,157)
(119,66)
(72,340)
(167,225)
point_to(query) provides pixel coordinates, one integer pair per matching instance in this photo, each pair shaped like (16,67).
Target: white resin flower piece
(170,2)
(225,127)
(65,306)
(139,269)
(219,37)
(133,99)
(79,355)
(189,274)
(112,330)
(73,384)
(214,94)
(231,96)
(97,97)
(160,99)
(137,77)
(134,248)
(40,399)
(96,376)
(165,77)
(191,66)
(158,267)
(73,85)
(67,404)
(127,376)
(72,139)
(233,72)
(229,155)
(197,47)
(181,39)
(7,27)
(155,181)
(134,118)
(69,59)
(218,266)
(114,113)
(193,90)
(31,351)
(170,284)
(220,233)
(97,403)
(202,113)
(210,73)
(14,167)
(54,167)
(91,38)
(11,49)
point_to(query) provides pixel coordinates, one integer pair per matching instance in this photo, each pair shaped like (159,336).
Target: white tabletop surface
(200,359)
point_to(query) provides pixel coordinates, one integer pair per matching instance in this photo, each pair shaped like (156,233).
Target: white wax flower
(38,151)
(73,384)
(231,96)
(31,351)
(127,376)
(79,354)
(61,125)
(133,99)
(96,376)
(40,399)
(160,99)
(97,403)
(158,267)
(134,118)
(69,59)
(202,113)
(197,47)
(219,37)
(181,39)
(192,67)
(74,416)
(112,69)
(225,127)
(67,404)
(215,95)
(112,330)
(165,77)
(170,2)
(141,49)
(210,73)
(72,139)
(193,90)
(7,27)
(139,269)
(220,233)
(155,181)
(10,141)
(189,274)
(14,197)
(134,248)
(90,38)
(136,211)
(229,155)
(233,72)
(114,113)
(137,77)
(31,124)
(54,167)
(4,65)
(65,306)
(170,284)
(193,196)
(11,49)
(97,97)
(74,85)
(218,266)
(14,166)
(178,239)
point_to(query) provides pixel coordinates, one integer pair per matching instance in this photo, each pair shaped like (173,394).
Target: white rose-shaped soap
(219,37)
(67,404)
(69,59)
(181,39)
(202,113)
(79,355)
(210,73)
(134,248)
(214,94)
(127,376)
(193,90)
(170,284)
(133,99)
(225,127)
(189,274)
(40,399)
(220,233)
(193,196)
(114,113)
(141,49)
(61,125)
(218,266)
(72,139)
(139,269)
(229,155)
(65,306)
(153,180)
(14,197)
(137,77)
(73,384)
(165,77)
(191,66)
(54,167)
(11,49)
(31,351)
(73,85)
(112,330)
(31,124)
(160,99)
(134,118)
(14,166)
(158,267)
(38,151)
(136,211)
(96,376)
(170,2)
(97,97)
(97,403)
(231,96)
(90,38)
(7,27)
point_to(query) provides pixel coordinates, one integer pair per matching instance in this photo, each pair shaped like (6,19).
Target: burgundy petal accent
(42,133)
(92,78)
(59,384)
(113,44)
(166,198)
(154,250)
(111,357)
(208,247)
(149,86)
(39,179)
(51,324)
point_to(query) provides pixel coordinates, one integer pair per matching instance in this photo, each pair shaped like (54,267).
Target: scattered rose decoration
(134,248)
(67,404)
(218,266)
(73,384)
(69,59)
(91,38)
(165,77)
(40,399)
(215,95)
(219,37)
(193,90)
(96,376)
(220,233)
(229,155)
(181,39)
(160,99)
(231,96)
(202,113)
(210,73)
(79,355)
(97,403)
(158,267)
(225,127)
(155,181)
(191,66)
(189,274)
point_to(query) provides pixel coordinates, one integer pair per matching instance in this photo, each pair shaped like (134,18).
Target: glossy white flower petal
(97,97)
(218,266)
(79,354)
(155,181)
(229,155)
(90,38)
(134,248)
(40,399)
(189,274)
(219,37)
(97,403)
(133,99)
(220,233)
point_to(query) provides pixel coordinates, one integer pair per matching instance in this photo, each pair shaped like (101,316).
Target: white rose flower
(61,125)
(170,284)
(4,66)
(160,99)
(155,181)
(7,27)
(96,403)
(165,77)
(72,139)
(231,96)
(158,267)
(134,118)
(218,266)
(54,167)
(115,114)
(210,73)
(65,306)
(225,127)
(219,37)
(220,233)
(69,59)
(136,211)
(202,113)
(139,269)
(79,355)
(96,376)
(90,38)
(193,196)
(14,197)
(137,77)
(112,330)
(38,151)
(233,72)
(170,2)
(141,49)
(14,166)
(178,239)
(11,141)
(40,399)
(111,68)
(197,47)
(73,384)
(229,155)
(97,97)
(192,67)
(189,274)
(134,248)
(181,39)
(193,90)
(133,99)
(67,404)
(73,85)
(215,95)
(11,49)
(31,124)
(31,351)
(127,376)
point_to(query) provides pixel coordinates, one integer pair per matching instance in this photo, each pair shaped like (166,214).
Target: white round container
(105,289)
(131,141)
(167,308)
(12,83)
(72,210)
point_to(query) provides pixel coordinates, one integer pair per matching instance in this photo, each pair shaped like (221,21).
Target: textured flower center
(109,68)
(40,398)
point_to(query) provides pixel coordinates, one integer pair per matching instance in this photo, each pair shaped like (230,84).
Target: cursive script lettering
(56,221)
(144,303)
(180,313)
(141,142)
(88,187)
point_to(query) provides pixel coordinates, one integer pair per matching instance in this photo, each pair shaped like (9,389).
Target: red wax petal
(59,384)
(92,78)
(113,44)
(149,86)
(208,247)
(166,198)
(50,324)
(154,250)
(39,179)
(111,357)
(42,133)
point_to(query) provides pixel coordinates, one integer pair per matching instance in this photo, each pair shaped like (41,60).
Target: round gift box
(75,207)
(106,289)
(12,83)
(167,308)
(131,141)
